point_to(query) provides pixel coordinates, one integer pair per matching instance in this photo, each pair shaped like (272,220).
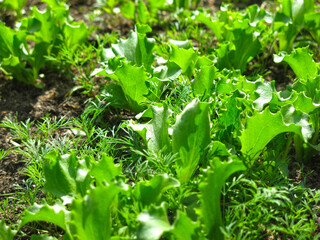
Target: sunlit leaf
(301,63)
(137,49)
(6,233)
(133,83)
(155,133)
(190,137)
(56,214)
(262,127)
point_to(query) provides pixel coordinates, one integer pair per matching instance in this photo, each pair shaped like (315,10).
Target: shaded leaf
(169,72)
(312,24)
(105,170)
(90,216)
(155,133)
(185,58)
(74,34)
(65,176)
(184,228)
(113,93)
(230,116)
(218,149)
(211,192)
(153,223)
(42,237)
(203,82)
(237,53)
(149,192)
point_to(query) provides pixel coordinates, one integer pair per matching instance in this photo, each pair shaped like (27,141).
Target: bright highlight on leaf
(56,214)
(301,63)
(262,127)
(190,137)
(155,133)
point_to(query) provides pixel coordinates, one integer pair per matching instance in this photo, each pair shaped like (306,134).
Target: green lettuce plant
(48,30)
(190,136)
(304,96)
(293,17)
(130,64)
(13,51)
(211,189)
(239,38)
(15,5)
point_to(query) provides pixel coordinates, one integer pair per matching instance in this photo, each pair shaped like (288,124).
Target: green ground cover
(209,151)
